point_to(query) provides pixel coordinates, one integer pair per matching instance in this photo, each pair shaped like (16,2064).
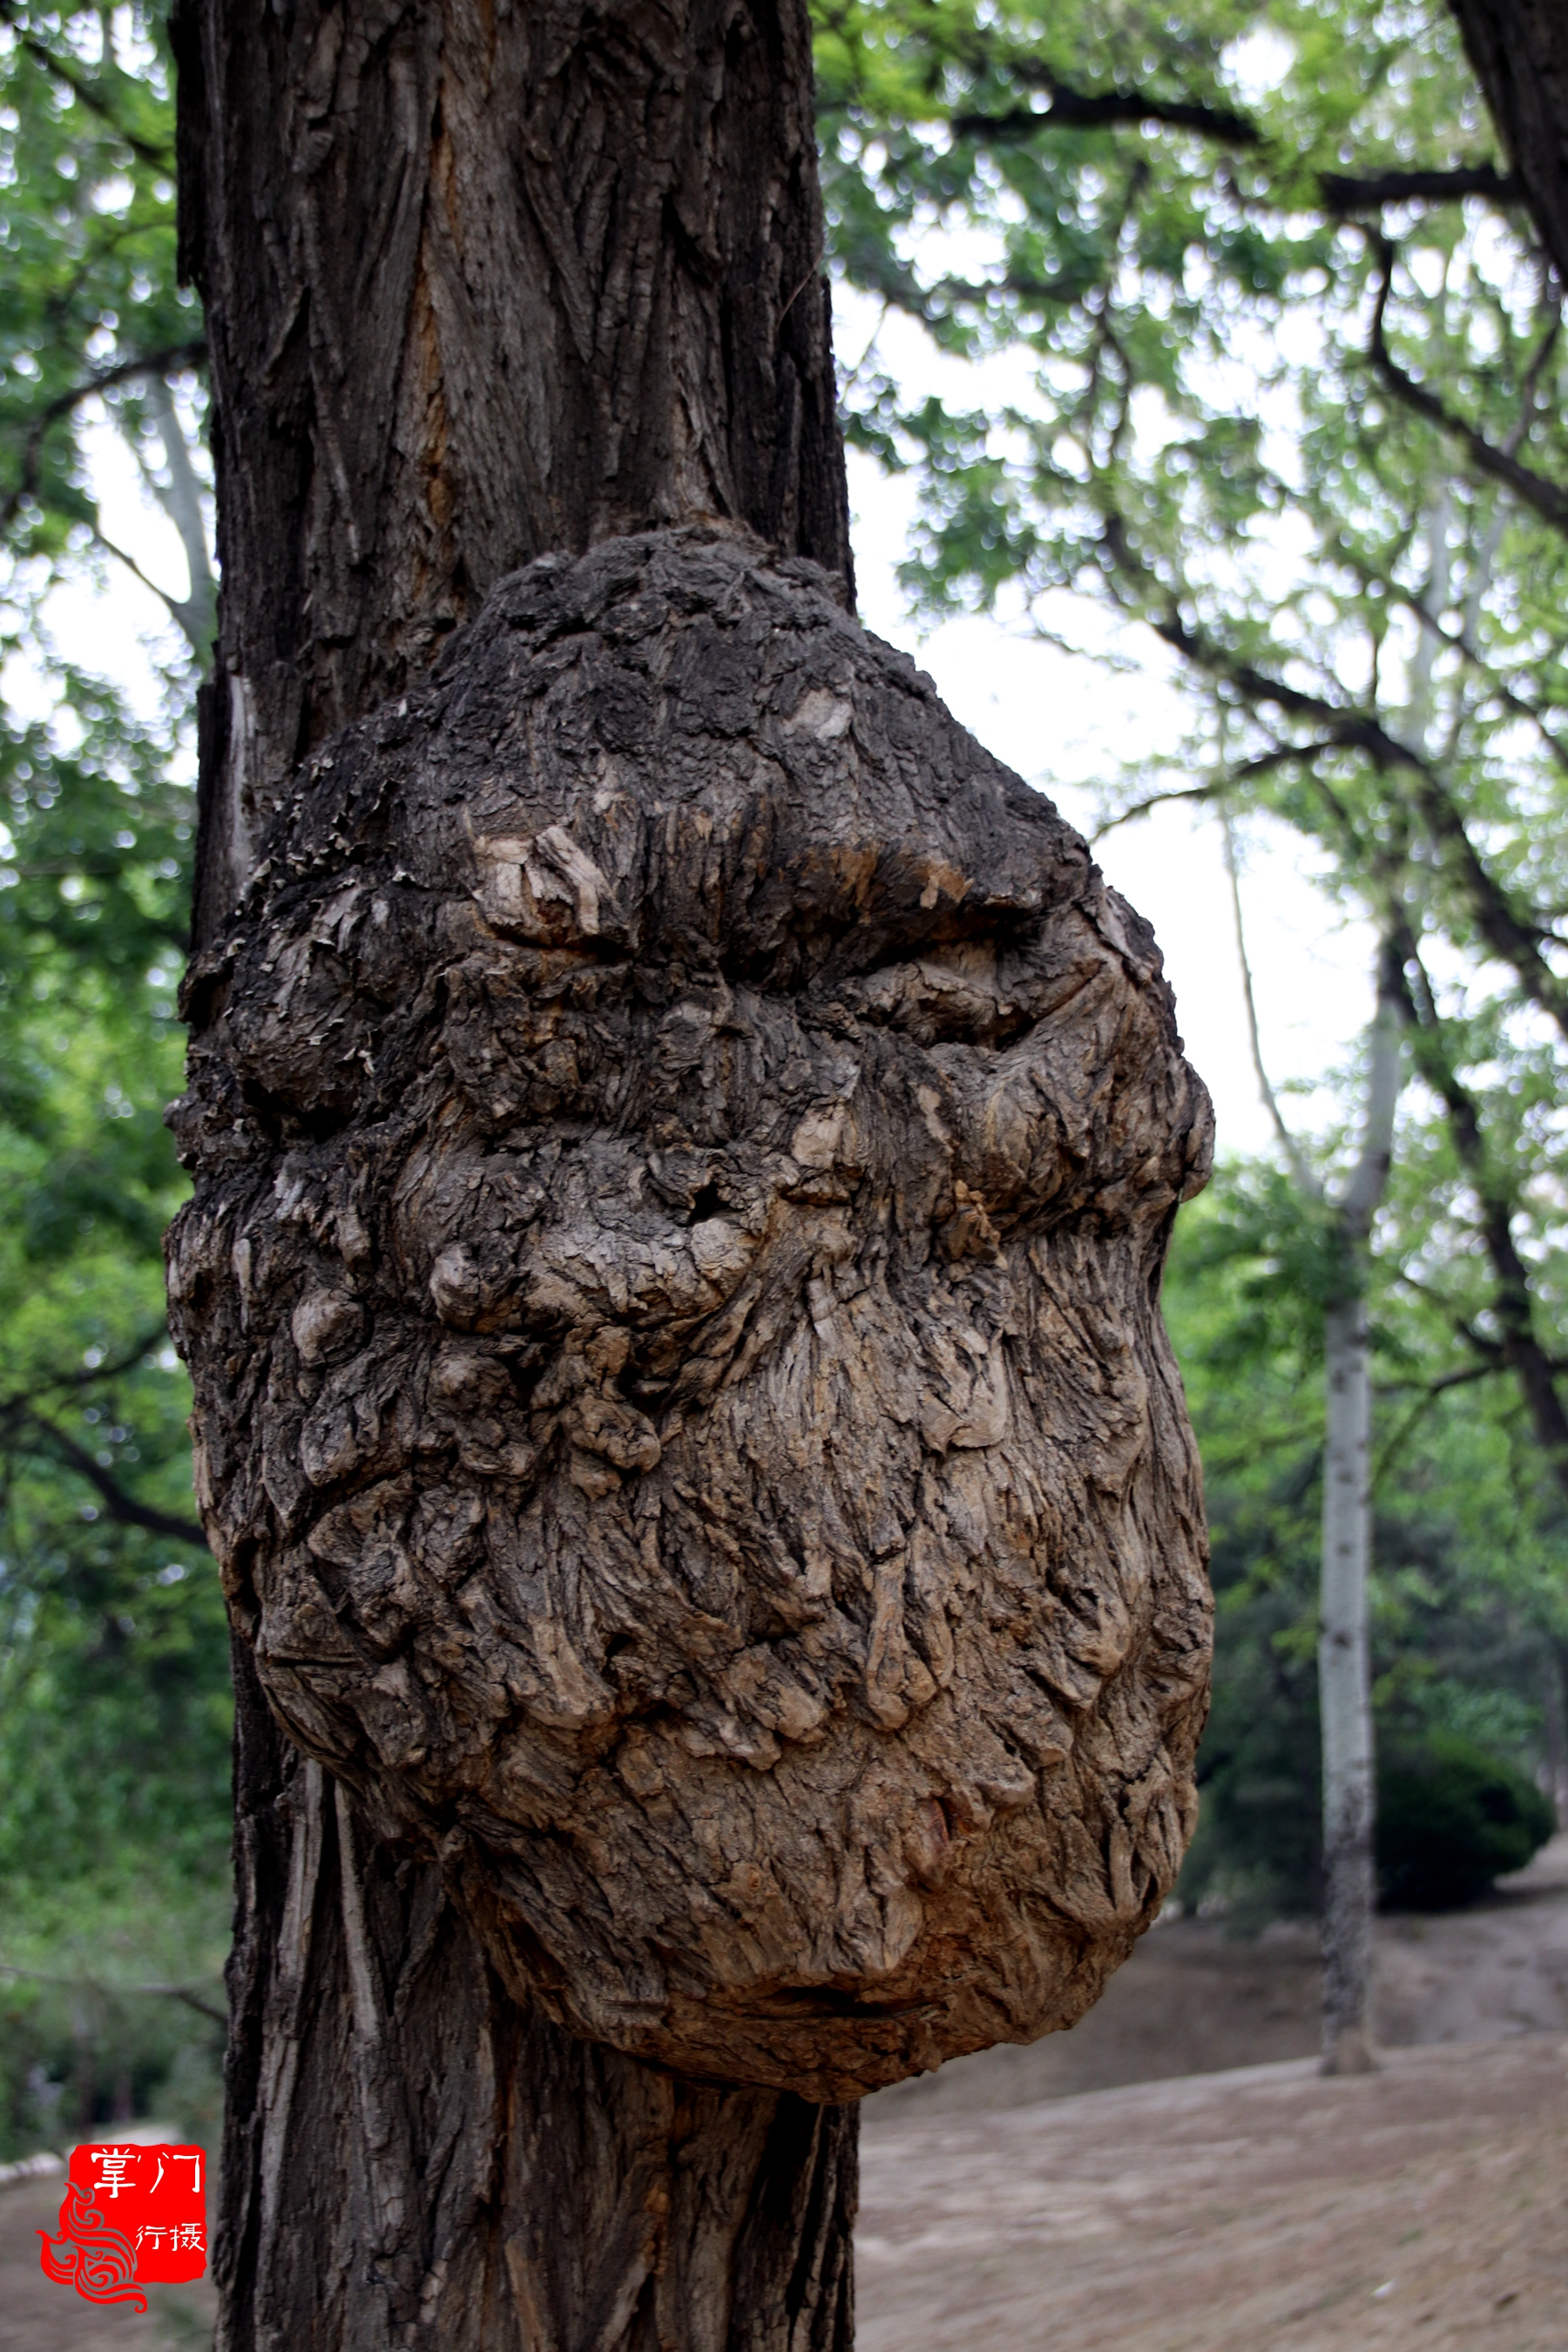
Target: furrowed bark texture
(1520,51)
(483,282)
(413,2158)
(685,1148)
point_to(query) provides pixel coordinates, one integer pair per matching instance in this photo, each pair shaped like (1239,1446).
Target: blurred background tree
(113,1652)
(1246,338)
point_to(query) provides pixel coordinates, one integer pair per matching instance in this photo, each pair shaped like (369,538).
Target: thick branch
(1082,111)
(1341,193)
(1345,193)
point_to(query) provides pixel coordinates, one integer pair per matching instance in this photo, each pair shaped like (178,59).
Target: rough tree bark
(684,1146)
(1520,51)
(482,282)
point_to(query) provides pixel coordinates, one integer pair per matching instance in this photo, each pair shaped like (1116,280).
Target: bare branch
(1300,1167)
(186,1993)
(1515,939)
(1142,808)
(1266,762)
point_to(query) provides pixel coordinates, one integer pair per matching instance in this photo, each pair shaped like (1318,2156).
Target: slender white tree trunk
(1345,1696)
(1344,1677)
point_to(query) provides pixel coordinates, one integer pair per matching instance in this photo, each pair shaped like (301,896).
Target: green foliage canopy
(114,1710)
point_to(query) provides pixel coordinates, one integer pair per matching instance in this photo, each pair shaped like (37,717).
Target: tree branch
(1430,1392)
(1142,808)
(1544,497)
(1306,1176)
(1082,111)
(186,1993)
(175,355)
(1344,193)
(1263,764)
(1512,1303)
(1516,941)
(118,1503)
(88,1375)
(1341,193)
(161,158)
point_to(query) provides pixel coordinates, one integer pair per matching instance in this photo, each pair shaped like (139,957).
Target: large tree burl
(685,1147)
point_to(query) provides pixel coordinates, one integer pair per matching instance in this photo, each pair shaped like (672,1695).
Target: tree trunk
(1344,1688)
(1344,1647)
(1346,1695)
(1554,1708)
(483,281)
(685,1150)
(411,2157)
(1520,51)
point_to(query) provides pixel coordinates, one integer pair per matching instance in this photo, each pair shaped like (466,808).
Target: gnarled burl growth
(681,1401)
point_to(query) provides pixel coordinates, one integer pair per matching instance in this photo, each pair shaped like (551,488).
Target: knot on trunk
(685,1143)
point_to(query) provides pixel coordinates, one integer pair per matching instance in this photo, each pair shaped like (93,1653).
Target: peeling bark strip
(685,1146)
(483,282)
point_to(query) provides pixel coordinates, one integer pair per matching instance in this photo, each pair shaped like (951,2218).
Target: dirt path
(1424,2209)
(1005,2210)
(37,2316)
